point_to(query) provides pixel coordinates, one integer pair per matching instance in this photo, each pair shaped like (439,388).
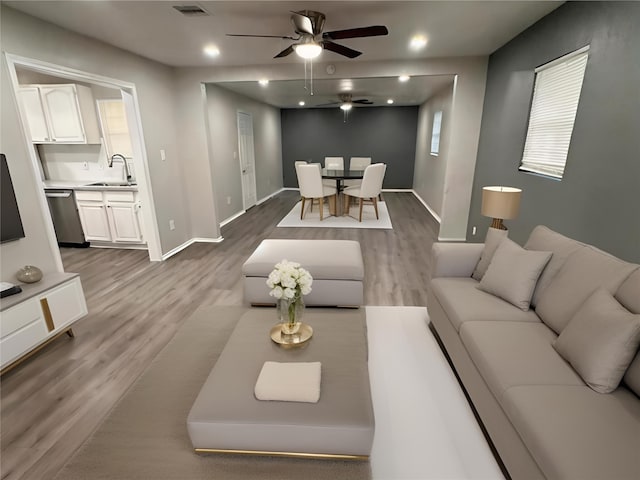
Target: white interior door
(247,159)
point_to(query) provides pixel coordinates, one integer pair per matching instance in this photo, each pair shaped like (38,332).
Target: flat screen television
(10,221)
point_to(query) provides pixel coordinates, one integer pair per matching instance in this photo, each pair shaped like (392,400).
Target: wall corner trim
(179,248)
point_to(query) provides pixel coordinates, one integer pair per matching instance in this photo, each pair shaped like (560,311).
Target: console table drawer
(18,317)
(22,340)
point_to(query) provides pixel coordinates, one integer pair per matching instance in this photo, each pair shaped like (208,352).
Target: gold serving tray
(287,341)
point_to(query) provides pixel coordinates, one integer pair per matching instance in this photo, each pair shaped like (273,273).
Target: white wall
(430,170)
(34,249)
(223,105)
(32,38)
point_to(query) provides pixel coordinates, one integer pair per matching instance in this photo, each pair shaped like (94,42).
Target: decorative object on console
(500,203)
(29,274)
(289,282)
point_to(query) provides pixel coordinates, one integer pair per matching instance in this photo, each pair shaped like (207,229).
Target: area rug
(312,219)
(145,436)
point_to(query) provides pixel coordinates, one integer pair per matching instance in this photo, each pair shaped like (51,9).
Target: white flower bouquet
(288,283)
(289,280)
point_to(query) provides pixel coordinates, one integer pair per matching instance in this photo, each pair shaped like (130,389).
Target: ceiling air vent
(191,10)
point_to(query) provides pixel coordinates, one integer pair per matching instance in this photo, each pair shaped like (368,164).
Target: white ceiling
(153,29)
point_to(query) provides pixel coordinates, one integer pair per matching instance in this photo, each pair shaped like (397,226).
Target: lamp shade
(500,202)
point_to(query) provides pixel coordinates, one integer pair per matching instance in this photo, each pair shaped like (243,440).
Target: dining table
(340,176)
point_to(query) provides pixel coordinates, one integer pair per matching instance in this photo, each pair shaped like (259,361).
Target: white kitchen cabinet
(60,113)
(94,220)
(110,216)
(38,315)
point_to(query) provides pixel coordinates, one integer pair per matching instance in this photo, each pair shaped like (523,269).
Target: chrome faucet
(119,156)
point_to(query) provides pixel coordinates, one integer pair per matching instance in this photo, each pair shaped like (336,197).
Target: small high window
(435,133)
(556,93)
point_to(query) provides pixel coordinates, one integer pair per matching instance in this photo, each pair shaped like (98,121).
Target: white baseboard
(179,248)
(232,218)
(452,239)
(270,196)
(426,205)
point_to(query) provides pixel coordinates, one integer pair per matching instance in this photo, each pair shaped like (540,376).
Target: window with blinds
(435,133)
(556,93)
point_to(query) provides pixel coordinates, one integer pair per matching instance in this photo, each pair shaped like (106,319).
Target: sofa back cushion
(629,295)
(583,272)
(545,239)
(493,239)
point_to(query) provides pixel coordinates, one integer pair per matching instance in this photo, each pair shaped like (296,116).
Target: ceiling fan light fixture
(390,101)
(301,103)
(404,78)
(346,106)
(308,50)
(263,82)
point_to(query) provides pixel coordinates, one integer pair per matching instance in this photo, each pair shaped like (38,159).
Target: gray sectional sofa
(535,375)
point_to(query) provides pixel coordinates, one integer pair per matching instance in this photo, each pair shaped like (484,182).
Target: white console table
(38,315)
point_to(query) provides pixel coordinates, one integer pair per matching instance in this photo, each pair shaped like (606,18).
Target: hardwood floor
(55,400)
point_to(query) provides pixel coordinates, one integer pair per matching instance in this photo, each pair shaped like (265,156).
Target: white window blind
(556,94)
(435,133)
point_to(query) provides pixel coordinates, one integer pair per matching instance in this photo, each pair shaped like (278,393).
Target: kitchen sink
(112,184)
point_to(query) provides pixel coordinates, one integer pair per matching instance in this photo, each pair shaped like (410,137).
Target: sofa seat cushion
(580,276)
(509,354)
(576,433)
(463,302)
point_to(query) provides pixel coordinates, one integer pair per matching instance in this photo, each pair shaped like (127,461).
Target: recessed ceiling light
(404,78)
(211,50)
(390,101)
(264,82)
(301,103)
(418,42)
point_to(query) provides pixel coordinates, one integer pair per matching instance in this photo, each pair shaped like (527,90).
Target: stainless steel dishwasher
(66,220)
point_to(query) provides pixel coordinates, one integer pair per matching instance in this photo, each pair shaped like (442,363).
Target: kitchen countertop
(85,185)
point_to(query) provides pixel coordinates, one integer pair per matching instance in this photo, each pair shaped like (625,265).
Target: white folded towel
(289,382)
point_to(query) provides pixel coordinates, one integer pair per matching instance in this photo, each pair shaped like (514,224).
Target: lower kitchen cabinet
(110,216)
(39,314)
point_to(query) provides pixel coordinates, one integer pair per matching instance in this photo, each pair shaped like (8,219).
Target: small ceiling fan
(346,102)
(311,40)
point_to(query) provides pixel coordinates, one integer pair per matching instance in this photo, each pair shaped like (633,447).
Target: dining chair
(334,163)
(369,190)
(357,163)
(311,188)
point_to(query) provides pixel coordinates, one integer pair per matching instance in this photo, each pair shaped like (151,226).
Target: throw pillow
(600,341)
(491,242)
(513,273)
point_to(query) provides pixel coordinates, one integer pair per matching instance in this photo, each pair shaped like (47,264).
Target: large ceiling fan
(346,102)
(310,41)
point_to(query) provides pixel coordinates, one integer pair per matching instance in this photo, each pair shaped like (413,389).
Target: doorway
(247,160)
(129,97)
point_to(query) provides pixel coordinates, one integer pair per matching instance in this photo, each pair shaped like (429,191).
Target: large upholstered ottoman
(336,266)
(227,417)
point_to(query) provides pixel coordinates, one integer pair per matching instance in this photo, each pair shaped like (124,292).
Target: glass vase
(290,312)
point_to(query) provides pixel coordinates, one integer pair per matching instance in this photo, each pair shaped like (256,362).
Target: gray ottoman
(227,418)
(336,267)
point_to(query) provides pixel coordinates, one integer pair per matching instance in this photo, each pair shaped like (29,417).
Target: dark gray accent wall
(386,134)
(598,200)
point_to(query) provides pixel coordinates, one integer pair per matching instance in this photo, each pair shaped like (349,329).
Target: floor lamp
(500,203)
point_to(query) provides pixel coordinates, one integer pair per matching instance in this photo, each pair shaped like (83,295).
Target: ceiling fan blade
(363,101)
(302,23)
(261,36)
(328,104)
(373,31)
(285,52)
(340,49)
